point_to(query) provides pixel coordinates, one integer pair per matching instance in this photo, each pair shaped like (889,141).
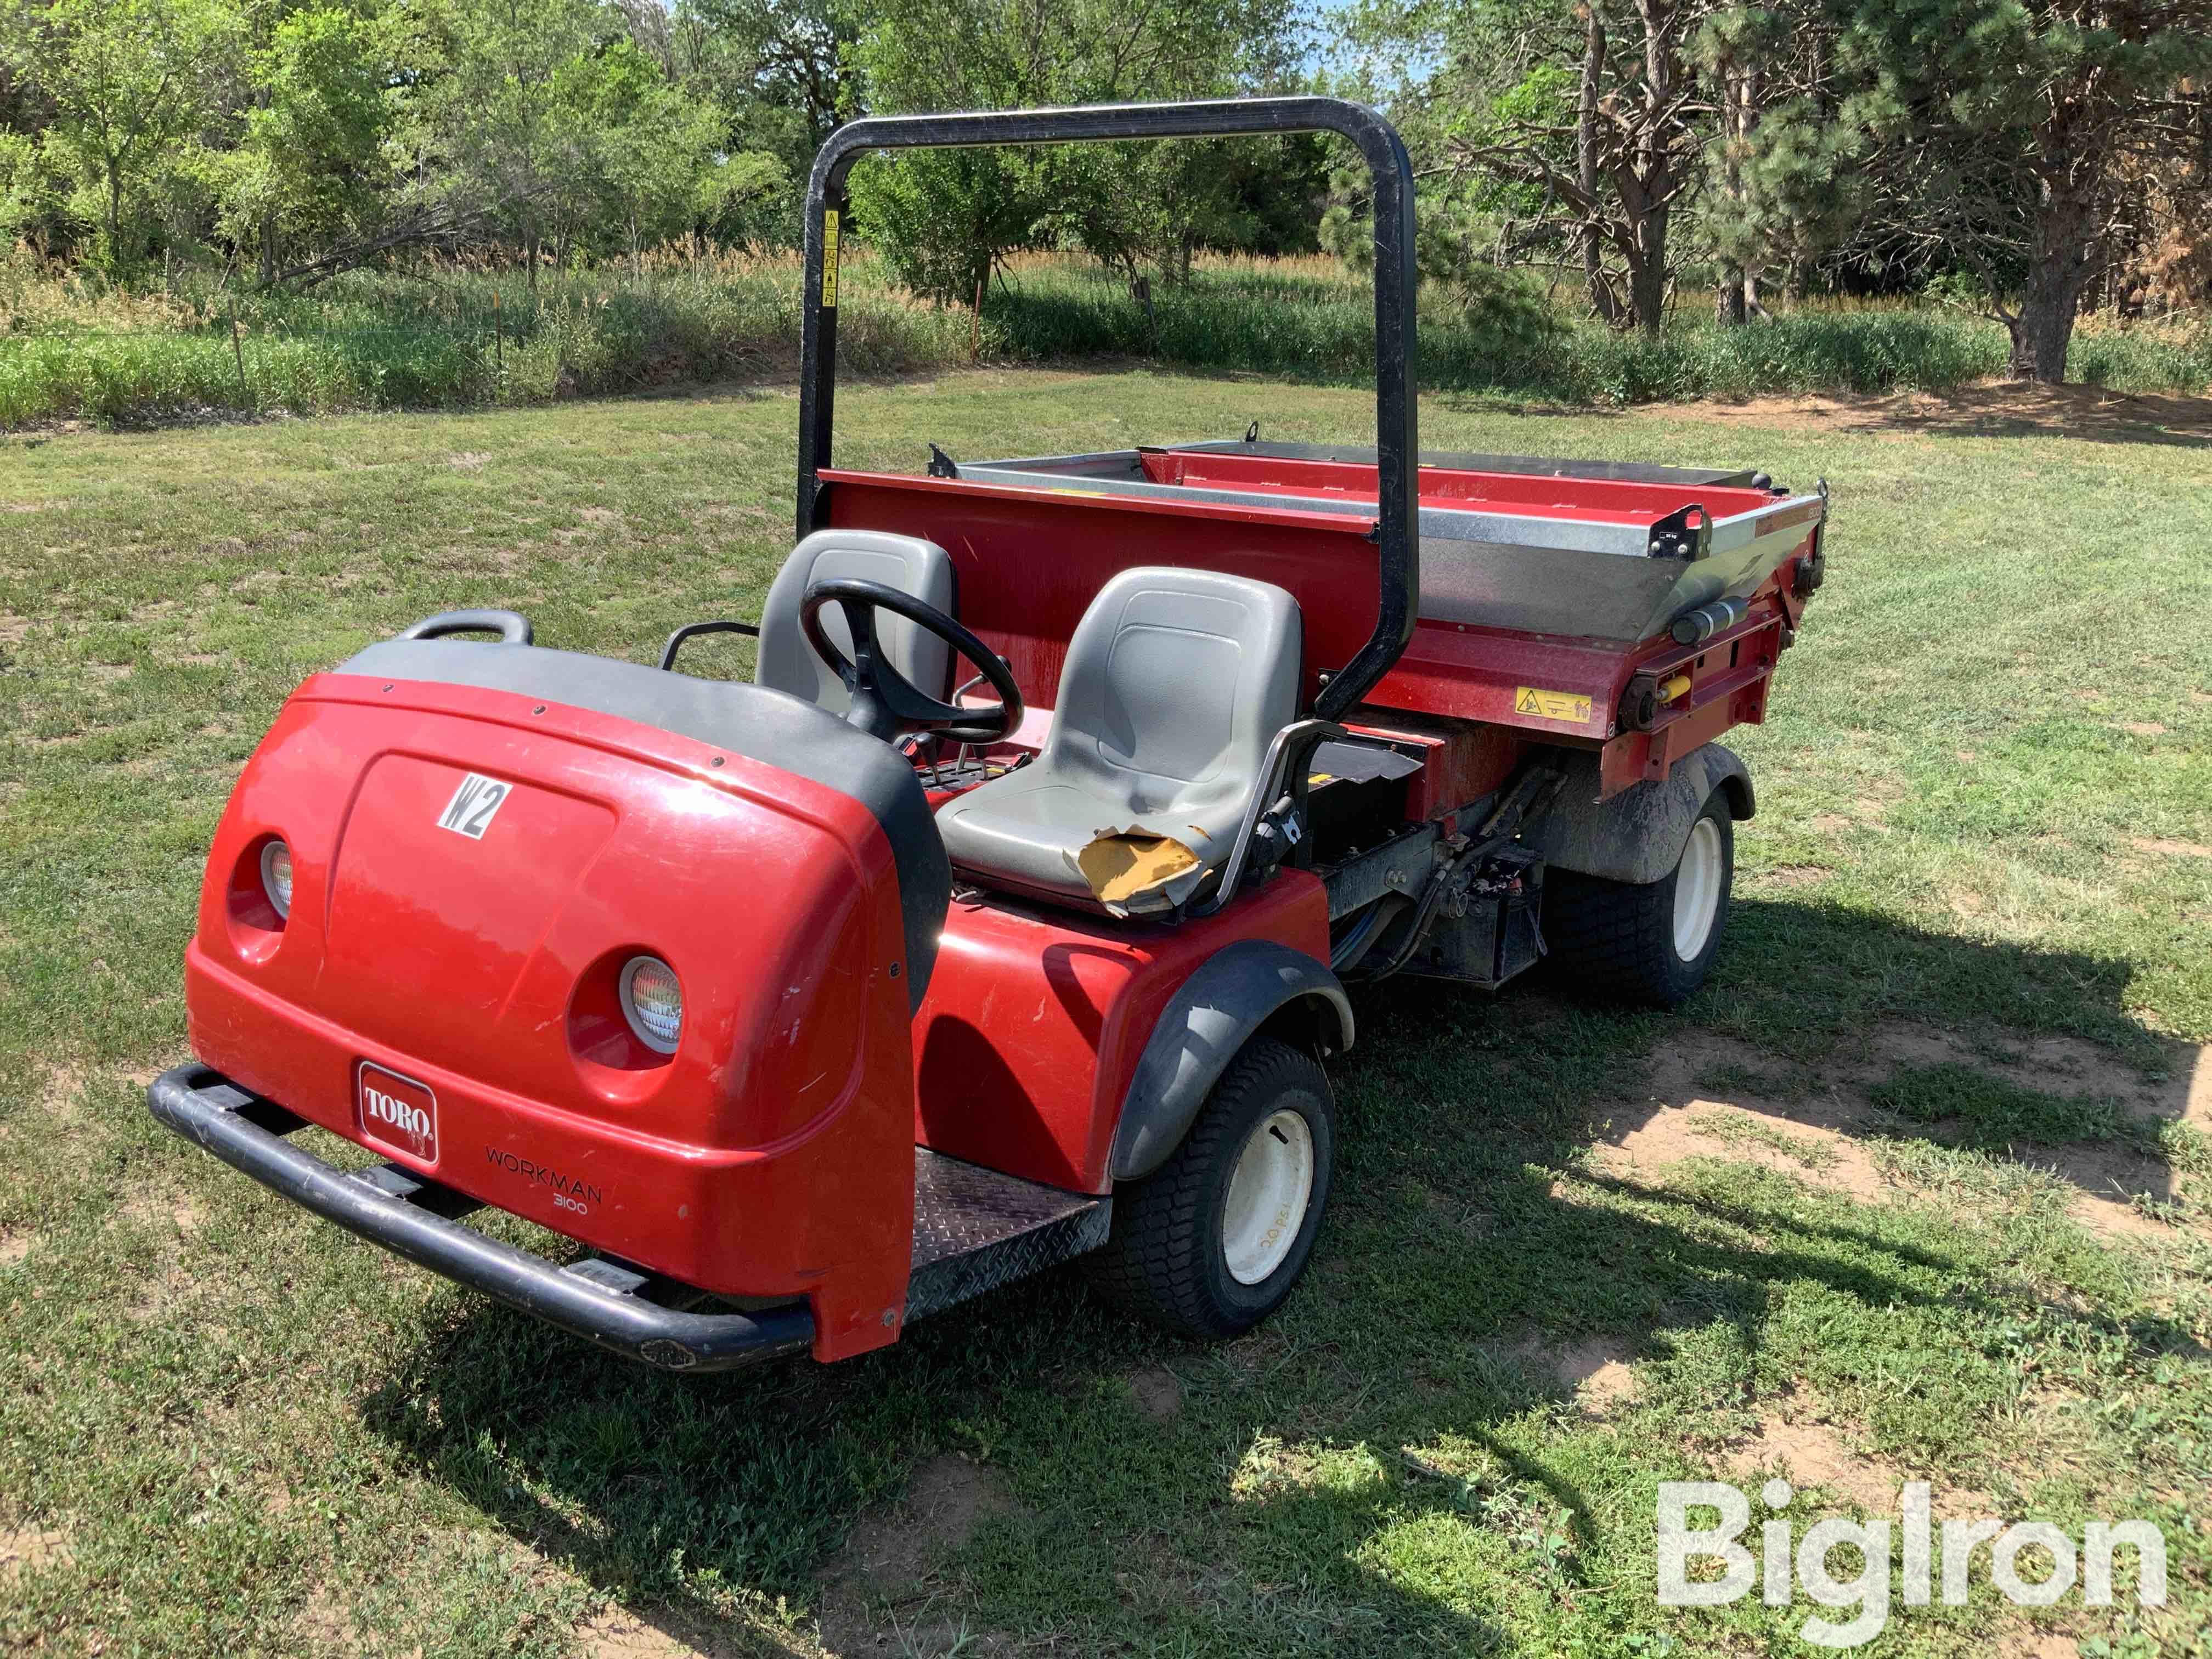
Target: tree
(779,71)
(2004,128)
(310,168)
(946,219)
(1785,184)
(1585,116)
(653,152)
(127,81)
(500,136)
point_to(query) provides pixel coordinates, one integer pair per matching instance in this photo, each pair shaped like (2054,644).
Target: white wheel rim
(1267,1196)
(1697,890)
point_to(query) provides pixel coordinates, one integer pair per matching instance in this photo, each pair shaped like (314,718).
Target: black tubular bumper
(622,1308)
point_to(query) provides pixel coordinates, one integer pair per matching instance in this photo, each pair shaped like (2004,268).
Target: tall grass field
(74,348)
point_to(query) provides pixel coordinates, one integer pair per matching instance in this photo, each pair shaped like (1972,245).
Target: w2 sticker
(474,805)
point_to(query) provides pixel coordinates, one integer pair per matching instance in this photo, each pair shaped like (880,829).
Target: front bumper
(623,1308)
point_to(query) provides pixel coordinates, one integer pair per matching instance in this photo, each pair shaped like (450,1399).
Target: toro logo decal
(474,805)
(397,1112)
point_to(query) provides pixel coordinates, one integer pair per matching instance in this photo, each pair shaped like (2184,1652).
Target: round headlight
(652,1002)
(277,876)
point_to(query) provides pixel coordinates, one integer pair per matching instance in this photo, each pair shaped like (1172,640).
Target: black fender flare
(1238,990)
(1638,835)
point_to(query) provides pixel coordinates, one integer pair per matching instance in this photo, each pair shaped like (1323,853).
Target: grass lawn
(1920,1187)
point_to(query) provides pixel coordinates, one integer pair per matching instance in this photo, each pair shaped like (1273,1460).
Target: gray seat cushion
(787,663)
(1175,683)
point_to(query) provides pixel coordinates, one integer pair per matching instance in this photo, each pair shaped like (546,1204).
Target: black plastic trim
(1396,415)
(1235,992)
(205,1107)
(1636,837)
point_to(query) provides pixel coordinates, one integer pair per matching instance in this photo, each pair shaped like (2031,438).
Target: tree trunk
(1603,301)
(1653,169)
(1734,115)
(1798,282)
(2063,260)
(1647,277)
(1729,308)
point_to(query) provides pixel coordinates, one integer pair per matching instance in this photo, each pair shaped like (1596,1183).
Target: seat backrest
(787,663)
(1175,683)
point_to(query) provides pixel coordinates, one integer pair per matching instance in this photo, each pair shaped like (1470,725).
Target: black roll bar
(1397,443)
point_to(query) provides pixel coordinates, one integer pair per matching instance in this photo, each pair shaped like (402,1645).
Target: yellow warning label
(829,259)
(1550,705)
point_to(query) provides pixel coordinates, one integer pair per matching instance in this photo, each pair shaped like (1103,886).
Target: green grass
(1983,815)
(368,340)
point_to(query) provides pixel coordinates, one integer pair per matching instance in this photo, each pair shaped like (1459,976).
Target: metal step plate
(975,1228)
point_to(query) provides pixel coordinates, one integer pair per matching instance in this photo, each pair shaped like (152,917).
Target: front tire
(1213,1241)
(1650,942)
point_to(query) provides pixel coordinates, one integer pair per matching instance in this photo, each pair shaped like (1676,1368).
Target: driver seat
(786,663)
(1176,683)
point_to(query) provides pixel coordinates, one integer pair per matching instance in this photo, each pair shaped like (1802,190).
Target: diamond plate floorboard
(975,1228)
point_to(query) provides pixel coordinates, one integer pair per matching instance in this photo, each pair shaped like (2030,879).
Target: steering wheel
(885,701)
(512,627)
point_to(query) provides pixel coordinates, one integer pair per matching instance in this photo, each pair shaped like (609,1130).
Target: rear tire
(1652,942)
(1213,1241)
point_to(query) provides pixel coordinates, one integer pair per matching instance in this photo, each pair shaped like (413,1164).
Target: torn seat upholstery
(1176,682)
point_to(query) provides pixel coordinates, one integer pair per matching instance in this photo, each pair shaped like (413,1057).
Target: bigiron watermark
(1937,1558)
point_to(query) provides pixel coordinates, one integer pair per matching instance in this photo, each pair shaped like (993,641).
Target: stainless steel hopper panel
(1500,570)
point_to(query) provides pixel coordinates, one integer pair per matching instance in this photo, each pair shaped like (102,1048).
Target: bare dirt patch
(1990,408)
(2110,1179)
(323,1623)
(1594,1368)
(618,1633)
(33,1549)
(1685,1117)
(2054,1065)
(14,1247)
(1791,875)
(890,1555)
(1811,1453)
(1159,1394)
(468,460)
(2165,846)
(181,1214)
(1713,1097)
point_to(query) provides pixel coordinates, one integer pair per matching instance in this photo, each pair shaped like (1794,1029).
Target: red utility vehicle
(818,1004)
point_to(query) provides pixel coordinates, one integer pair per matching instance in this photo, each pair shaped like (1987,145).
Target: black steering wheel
(885,701)
(512,627)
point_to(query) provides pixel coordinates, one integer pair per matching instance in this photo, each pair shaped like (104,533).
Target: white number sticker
(474,805)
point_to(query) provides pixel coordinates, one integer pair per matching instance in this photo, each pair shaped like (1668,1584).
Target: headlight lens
(277,876)
(652,1002)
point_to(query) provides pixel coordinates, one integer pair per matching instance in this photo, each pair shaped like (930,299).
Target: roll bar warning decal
(829,259)
(474,805)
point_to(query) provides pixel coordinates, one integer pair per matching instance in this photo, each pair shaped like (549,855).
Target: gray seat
(787,663)
(1174,685)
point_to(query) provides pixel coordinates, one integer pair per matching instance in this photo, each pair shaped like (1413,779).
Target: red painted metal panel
(1036,1019)
(769,1155)
(1030,562)
(1602,501)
